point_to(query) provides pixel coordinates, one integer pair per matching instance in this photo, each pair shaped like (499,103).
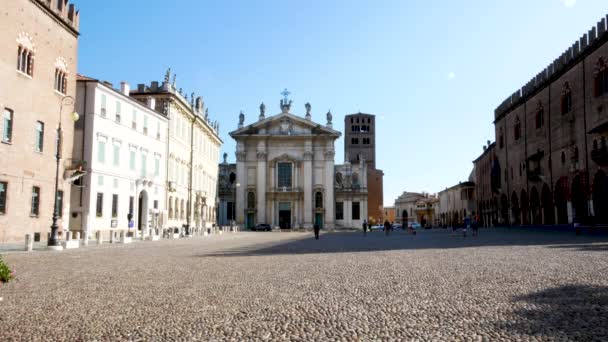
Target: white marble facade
(285,170)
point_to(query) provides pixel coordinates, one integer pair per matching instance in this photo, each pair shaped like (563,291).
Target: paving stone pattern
(504,285)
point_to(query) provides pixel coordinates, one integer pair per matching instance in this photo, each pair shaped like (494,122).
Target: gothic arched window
(517,129)
(540,116)
(600,78)
(501,138)
(25,54)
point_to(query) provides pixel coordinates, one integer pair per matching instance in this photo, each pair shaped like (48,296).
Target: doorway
(319,220)
(142,210)
(285,215)
(250,220)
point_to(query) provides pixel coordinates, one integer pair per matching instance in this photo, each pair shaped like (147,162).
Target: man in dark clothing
(387,227)
(317,228)
(364,227)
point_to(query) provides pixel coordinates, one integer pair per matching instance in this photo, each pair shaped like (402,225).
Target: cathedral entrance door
(319,219)
(285,215)
(250,220)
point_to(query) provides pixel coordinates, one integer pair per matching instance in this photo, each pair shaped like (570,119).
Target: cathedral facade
(285,170)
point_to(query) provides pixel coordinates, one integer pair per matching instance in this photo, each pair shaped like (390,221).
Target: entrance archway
(547,203)
(404,217)
(142,211)
(524,207)
(561,200)
(579,197)
(535,207)
(515,208)
(504,209)
(600,197)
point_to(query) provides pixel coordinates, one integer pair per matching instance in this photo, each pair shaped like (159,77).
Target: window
(132,160)
(144,161)
(118,111)
(540,116)
(575,155)
(566,101)
(99,205)
(25,61)
(284,173)
(563,158)
(61,81)
(354,141)
(134,120)
(158,130)
(35,204)
(145,125)
(318,200)
(116,155)
(7,126)
(101,151)
(339,210)
(114,206)
(100,180)
(103,105)
(600,78)
(156,167)
(356,211)
(132,201)
(517,129)
(155,204)
(39,136)
(366,141)
(250,200)
(3,192)
(60,203)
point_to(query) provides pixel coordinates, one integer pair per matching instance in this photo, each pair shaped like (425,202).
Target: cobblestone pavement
(503,285)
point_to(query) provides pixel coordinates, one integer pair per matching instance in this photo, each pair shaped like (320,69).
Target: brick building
(487,177)
(360,143)
(38,62)
(551,134)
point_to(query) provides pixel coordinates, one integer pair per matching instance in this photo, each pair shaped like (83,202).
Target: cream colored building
(38,60)
(351,194)
(416,207)
(285,170)
(193,148)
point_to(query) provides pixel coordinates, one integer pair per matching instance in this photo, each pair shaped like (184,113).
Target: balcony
(600,156)
(286,189)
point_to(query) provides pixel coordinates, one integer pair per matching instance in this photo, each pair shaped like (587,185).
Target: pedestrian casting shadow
(348,242)
(575,312)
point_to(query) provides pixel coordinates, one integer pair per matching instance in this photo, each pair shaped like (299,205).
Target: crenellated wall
(588,43)
(65,11)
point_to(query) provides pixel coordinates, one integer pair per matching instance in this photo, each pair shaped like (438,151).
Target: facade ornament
(174,80)
(181,92)
(206,114)
(308,155)
(241,155)
(241,119)
(192,99)
(286,126)
(167,75)
(308,108)
(261,155)
(329,118)
(262,111)
(199,104)
(225,158)
(285,101)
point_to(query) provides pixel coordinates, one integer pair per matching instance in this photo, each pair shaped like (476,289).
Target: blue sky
(432,71)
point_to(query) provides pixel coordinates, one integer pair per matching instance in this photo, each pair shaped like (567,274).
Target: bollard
(85,238)
(99,237)
(111,236)
(29,243)
(68,236)
(77,235)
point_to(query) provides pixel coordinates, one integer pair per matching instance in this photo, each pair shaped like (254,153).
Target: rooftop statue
(308,108)
(241,118)
(167,75)
(329,117)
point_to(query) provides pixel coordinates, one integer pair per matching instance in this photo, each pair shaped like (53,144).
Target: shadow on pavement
(348,242)
(579,312)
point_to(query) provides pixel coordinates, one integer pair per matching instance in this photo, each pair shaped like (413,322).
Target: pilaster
(328,198)
(308,182)
(261,187)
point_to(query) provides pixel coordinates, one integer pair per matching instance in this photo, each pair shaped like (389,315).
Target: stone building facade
(389,214)
(416,207)
(487,183)
(38,63)
(351,194)
(123,144)
(360,144)
(226,191)
(456,203)
(285,170)
(551,140)
(193,147)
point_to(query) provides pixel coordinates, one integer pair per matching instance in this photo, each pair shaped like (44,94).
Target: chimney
(125,88)
(151,102)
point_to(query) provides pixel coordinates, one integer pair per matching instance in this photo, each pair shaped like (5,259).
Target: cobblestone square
(502,285)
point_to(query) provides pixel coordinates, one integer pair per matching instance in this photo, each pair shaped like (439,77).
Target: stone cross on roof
(285,94)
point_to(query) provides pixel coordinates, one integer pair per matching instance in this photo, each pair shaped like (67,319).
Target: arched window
(61,76)
(318,200)
(356,176)
(540,115)
(566,103)
(25,54)
(600,78)
(250,200)
(517,129)
(563,158)
(170,207)
(232,177)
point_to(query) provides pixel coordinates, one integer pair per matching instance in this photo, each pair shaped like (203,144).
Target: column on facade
(261,184)
(329,201)
(241,179)
(308,183)
(273,185)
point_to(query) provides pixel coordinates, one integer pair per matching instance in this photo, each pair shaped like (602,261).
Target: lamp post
(53,243)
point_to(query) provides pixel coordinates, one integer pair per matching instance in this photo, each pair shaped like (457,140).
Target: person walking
(476,225)
(317,228)
(467,224)
(364,227)
(387,227)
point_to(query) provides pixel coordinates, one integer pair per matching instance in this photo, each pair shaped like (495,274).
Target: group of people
(468,223)
(387,228)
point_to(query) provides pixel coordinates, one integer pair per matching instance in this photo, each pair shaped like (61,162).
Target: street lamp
(53,243)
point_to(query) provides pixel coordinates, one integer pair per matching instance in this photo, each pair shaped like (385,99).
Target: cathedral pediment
(284,124)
